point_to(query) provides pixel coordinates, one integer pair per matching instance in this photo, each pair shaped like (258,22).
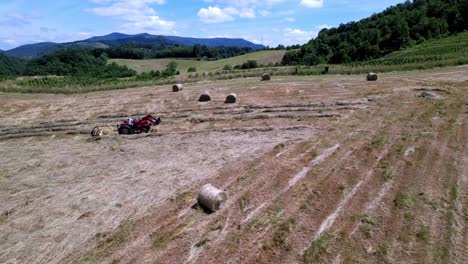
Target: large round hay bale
(177,87)
(204,97)
(99,131)
(266,77)
(372,76)
(211,198)
(231,98)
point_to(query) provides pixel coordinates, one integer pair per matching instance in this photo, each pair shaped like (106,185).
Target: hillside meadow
(262,57)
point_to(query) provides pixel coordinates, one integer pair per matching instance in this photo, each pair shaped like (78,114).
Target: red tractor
(142,125)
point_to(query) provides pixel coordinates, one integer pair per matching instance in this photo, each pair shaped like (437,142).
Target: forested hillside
(10,65)
(395,28)
(151,51)
(143,45)
(76,62)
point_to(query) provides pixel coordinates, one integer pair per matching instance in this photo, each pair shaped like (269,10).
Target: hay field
(262,57)
(317,169)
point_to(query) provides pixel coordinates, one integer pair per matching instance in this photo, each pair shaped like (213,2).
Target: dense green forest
(76,62)
(395,28)
(152,51)
(10,65)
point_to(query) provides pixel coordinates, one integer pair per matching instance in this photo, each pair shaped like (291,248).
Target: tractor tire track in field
(459,237)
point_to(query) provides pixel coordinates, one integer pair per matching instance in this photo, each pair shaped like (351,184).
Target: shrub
(250,64)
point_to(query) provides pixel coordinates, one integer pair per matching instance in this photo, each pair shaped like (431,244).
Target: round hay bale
(96,132)
(177,87)
(372,76)
(266,77)
(231,98)
(211,198)
(99,131)
(204,97)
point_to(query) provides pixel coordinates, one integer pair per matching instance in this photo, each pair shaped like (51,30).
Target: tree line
(150,51)
(395,28)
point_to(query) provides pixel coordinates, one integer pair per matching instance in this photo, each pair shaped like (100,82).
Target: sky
(268,22)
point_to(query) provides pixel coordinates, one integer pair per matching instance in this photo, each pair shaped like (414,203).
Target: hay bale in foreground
(204,97)
(211,198)
(266,77)
(231,98)
(372,76)
(177,87)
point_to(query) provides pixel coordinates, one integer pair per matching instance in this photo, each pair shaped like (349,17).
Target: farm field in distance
(262,57)
(317,169)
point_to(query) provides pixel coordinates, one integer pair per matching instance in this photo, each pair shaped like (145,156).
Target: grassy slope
(262,57)
(450,51)
(443,50)
(449,47)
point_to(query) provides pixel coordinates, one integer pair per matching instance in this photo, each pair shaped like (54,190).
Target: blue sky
(270,22)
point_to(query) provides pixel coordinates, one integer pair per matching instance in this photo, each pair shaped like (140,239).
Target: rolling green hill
(119,39)
(450,47)
(447,51)
(262,57)
(39,49)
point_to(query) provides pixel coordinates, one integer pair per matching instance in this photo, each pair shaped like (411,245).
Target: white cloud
(244,9)
(297,36)
(312,3)
(214,14)
(149,24)
(138,15)
(247,13)
(248,3)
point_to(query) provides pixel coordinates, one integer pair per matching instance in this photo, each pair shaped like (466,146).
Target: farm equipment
(142,125)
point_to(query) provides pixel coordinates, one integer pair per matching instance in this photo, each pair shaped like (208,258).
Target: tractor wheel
(124,130)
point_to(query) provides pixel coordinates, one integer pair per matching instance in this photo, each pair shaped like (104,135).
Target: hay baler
(142,125)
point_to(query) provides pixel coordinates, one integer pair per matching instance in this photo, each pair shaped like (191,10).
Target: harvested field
(330,169)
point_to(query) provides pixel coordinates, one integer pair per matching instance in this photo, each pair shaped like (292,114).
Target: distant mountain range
(117,39)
